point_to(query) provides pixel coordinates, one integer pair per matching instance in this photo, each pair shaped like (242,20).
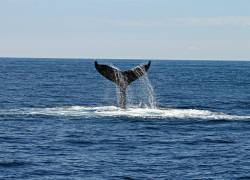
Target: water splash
(132,112)
(142,91)
(148,90)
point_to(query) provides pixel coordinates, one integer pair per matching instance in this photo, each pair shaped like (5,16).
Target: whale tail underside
(122,78)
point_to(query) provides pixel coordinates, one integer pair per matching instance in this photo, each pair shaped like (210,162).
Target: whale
(122,78)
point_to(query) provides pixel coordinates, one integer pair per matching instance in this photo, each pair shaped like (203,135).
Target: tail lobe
(122,77)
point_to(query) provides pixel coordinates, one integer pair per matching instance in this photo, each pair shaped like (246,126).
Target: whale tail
(122,78)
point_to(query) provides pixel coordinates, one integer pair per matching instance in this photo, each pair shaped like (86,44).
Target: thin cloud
(219,21)
(193,48)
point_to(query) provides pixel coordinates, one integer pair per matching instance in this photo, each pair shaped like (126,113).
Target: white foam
(112,111)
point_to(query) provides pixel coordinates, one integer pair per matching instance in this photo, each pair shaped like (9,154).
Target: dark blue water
(59,120)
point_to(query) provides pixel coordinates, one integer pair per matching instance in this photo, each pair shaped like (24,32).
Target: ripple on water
(13,163)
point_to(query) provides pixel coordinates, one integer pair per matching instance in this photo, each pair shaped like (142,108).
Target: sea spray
(143,92)
(113,111)
(148,90)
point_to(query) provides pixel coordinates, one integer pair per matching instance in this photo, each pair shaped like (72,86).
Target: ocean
(59,119)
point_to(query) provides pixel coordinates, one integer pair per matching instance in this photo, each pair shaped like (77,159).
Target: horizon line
(93,58)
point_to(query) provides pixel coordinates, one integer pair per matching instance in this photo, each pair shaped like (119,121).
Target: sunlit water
(186,120)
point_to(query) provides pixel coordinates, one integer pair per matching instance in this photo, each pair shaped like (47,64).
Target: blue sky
(148,29)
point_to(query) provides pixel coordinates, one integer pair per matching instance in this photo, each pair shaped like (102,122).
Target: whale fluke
(122,78)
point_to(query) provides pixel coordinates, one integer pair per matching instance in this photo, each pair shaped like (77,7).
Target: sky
(137,29)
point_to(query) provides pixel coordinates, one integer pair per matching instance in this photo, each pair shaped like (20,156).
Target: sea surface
(59,120)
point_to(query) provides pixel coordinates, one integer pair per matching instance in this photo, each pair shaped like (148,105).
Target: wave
(113,111)
(12,163)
